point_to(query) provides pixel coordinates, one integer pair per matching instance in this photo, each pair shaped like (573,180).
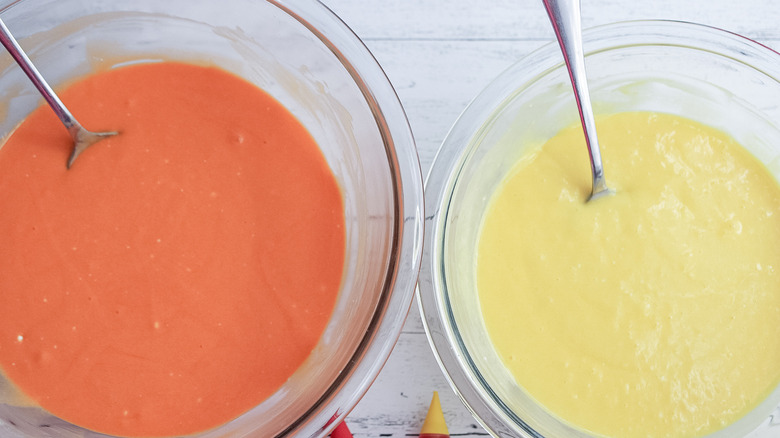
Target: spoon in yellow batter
(565,18)
(82,138)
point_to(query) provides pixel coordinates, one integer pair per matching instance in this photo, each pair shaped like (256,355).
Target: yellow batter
(651,313)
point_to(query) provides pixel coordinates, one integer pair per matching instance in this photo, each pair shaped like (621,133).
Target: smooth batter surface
(651,313)
(178,273)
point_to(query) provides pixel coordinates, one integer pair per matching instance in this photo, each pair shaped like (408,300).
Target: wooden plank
(526,19)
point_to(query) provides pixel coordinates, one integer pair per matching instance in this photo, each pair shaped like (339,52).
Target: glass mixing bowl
(709,75)
(303,55)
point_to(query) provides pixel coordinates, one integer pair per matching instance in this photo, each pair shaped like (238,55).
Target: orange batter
(178,273)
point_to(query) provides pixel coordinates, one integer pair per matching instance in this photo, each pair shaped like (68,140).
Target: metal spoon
(565,18)
(82,138)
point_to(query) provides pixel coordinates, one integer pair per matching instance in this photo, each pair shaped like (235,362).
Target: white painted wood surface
(439,54)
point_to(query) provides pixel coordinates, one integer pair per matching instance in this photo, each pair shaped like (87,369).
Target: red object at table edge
(341,431)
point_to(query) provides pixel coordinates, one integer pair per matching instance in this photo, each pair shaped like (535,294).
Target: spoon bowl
(565,19)
(82,137)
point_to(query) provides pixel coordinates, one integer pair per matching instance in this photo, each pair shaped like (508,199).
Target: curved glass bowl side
(407,202)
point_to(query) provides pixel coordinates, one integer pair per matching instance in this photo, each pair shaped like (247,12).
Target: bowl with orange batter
(239,260)
(653,312)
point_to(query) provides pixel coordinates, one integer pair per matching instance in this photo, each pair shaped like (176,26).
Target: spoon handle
(13,47)
(565,18)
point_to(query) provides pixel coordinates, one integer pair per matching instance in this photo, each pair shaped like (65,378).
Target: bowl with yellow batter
(239,260)
(654,312)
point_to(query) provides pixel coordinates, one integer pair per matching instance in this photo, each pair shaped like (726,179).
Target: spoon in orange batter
(82,138)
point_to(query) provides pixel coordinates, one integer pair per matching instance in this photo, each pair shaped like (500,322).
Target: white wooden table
(439,54)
